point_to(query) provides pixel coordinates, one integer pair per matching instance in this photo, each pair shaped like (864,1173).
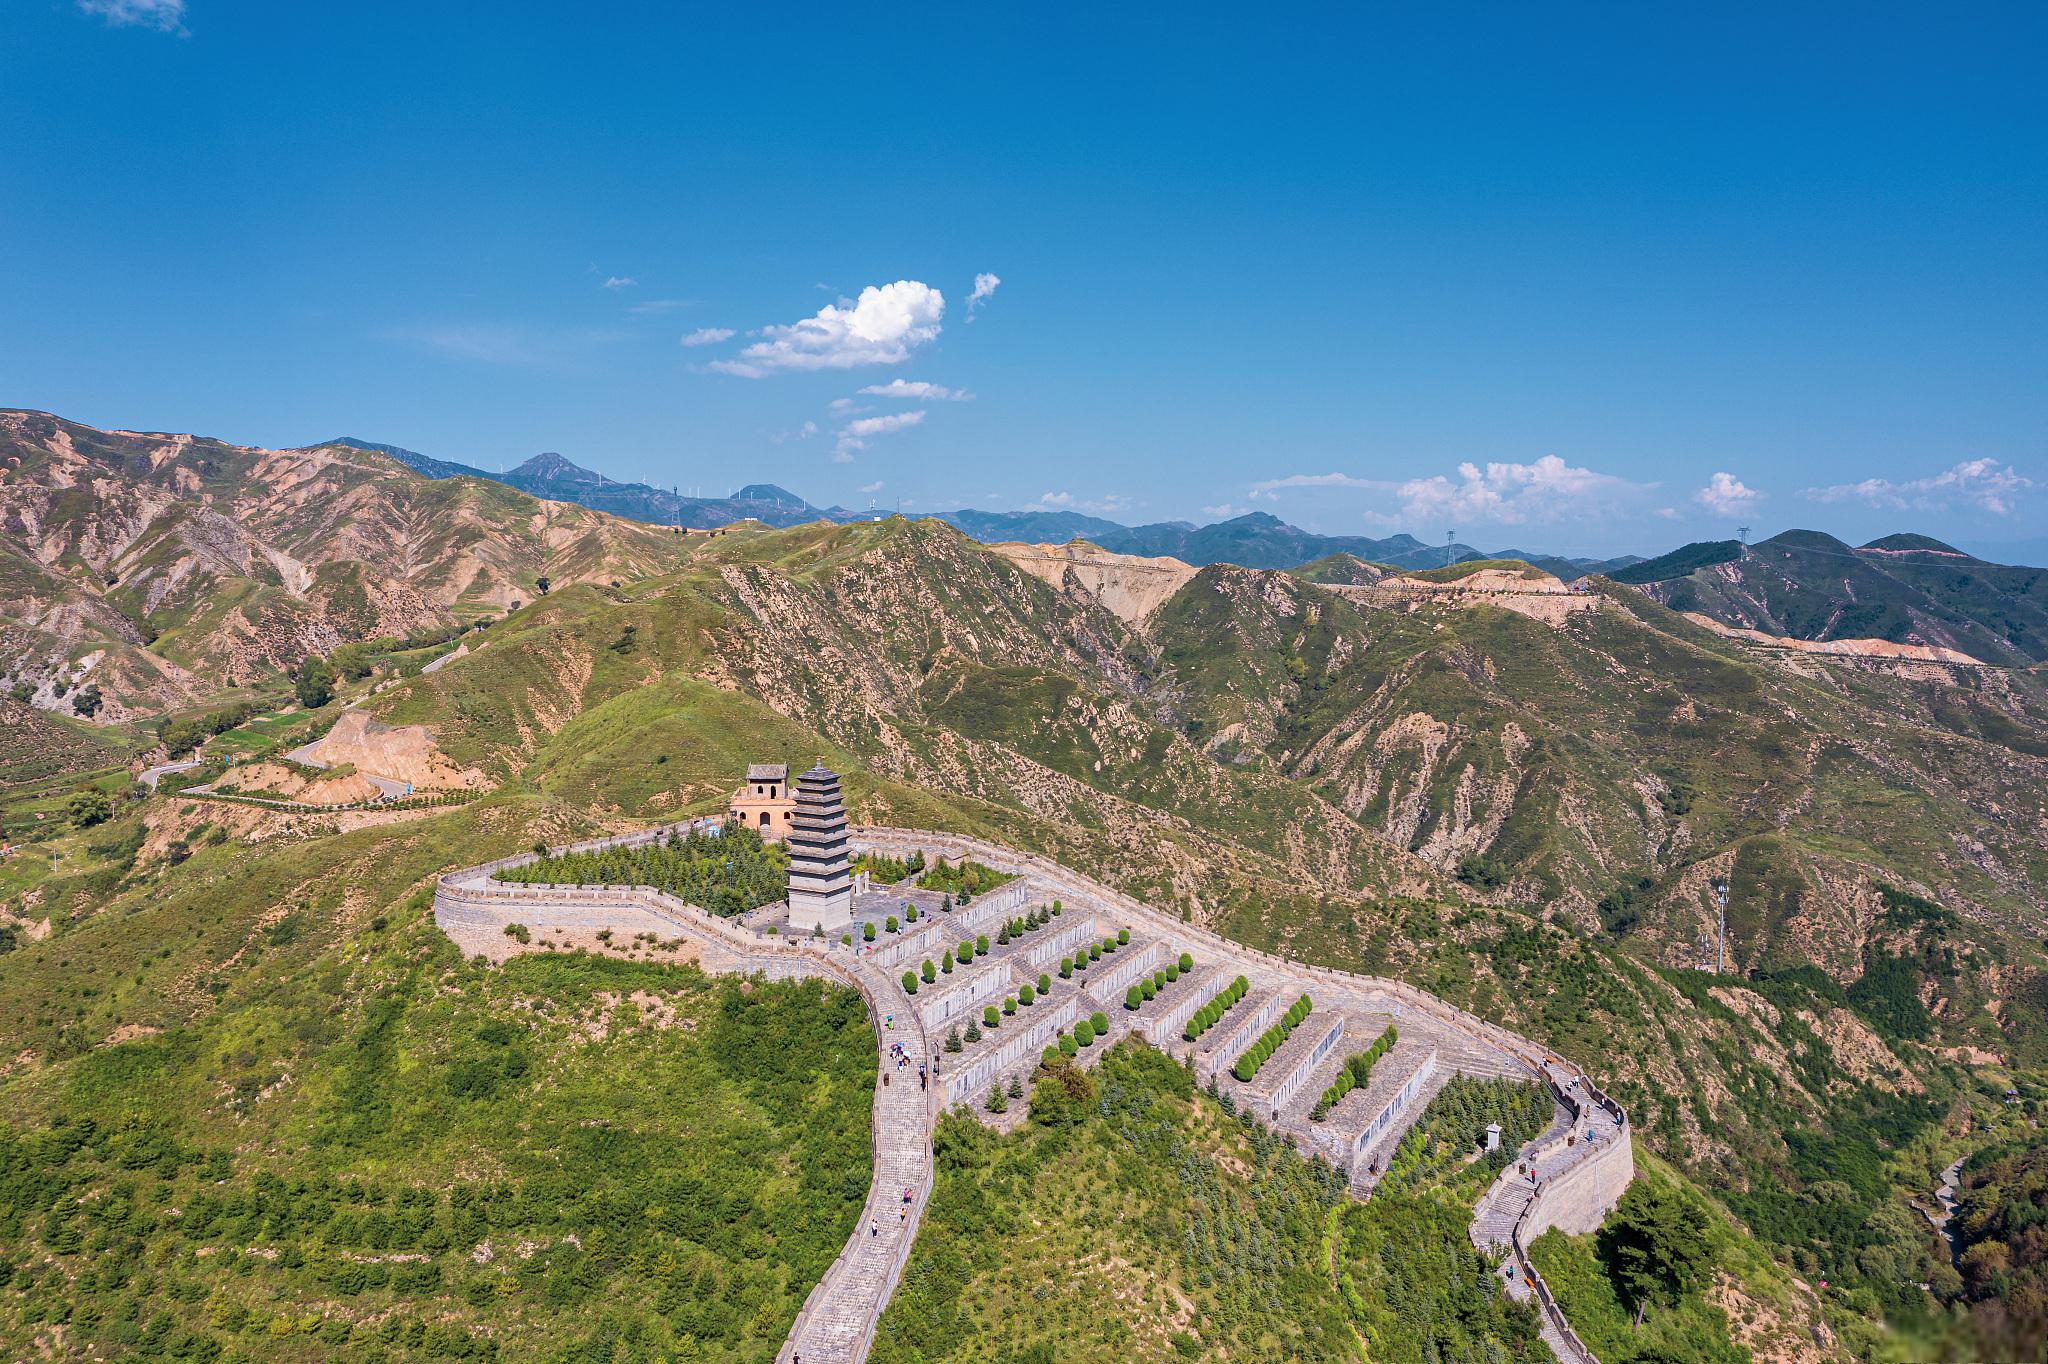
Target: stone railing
(1231,1036)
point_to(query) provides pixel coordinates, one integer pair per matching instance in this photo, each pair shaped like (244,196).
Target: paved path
(153,775)
(390,788)
(837,1324)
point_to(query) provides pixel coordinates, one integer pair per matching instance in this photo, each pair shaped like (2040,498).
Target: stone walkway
(837,1324)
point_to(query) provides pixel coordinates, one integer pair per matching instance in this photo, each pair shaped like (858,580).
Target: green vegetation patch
(727,872)
(1132,1220)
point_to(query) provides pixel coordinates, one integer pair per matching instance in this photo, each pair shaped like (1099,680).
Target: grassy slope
(1154,1228)
(318,1030)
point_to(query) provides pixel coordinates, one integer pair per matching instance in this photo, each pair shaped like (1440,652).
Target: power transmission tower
(1721,943)
(1449,536)
(1743,531)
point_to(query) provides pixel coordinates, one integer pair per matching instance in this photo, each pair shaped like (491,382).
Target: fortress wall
(1577,1201)
(1037,1035)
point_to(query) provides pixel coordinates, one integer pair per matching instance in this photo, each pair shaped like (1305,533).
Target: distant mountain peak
(555,467)
(770,493)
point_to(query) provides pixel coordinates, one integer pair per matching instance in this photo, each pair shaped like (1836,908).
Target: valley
(1513,793)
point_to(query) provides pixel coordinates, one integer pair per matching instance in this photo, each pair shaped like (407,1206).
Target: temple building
(820,881)
(764,804)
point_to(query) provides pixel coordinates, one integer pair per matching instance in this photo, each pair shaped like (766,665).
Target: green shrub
(981,943)
(973,1033)
(1003,935)
(1100,1020)
(867,932)
(1025,994)
(1049,1055)
(996,1102)
(1010,1005)
(965,952)
(946,963)
(1187,962)
(1123,936)
(1055,907)
(1109,944)
(910,982)
(1068,1046)
(1172,972)
(1095,951)
(929,971)
(1044,983)
(952,1043)
(1066,968)
(846,939)
(1148,989)
(1084,1033)
(890,923)
(1133,997)
(909,913)
(991,1016)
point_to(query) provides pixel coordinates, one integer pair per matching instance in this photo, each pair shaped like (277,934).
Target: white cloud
(984,290)
(1727,495)
(1271,487)
(1223,511)
(845,405)
(708,336)
(618,282)
(1109,504)
(166,16)
(655,307)
(885,326)
(874,487)
(856,434)
(1979,483)
(917,390)
(808,430)
(1514,494)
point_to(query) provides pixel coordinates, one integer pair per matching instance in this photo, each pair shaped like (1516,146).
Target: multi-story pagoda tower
(820,881)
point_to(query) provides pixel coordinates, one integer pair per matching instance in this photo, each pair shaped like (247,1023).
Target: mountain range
(1515,792)
(1254,540)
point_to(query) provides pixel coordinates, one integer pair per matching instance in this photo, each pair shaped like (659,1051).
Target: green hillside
(1908,589)
(1523,815)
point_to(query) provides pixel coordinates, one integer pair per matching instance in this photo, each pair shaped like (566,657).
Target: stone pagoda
(820,882)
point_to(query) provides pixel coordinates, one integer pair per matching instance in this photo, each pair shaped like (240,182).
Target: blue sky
(1569,278)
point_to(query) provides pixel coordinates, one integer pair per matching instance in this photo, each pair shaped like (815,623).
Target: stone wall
(1108,983)
(958,1004)
(1233,1035)
(1052,949)
(1164,1029)
(1577,1201)
(1008,1052)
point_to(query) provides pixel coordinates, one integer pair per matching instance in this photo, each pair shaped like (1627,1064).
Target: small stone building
(765,804)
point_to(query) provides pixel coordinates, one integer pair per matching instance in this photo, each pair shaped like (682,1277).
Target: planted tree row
(1356,1072)
(1150,986)
(1206,1016)
(728,872)
(1269,1041)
